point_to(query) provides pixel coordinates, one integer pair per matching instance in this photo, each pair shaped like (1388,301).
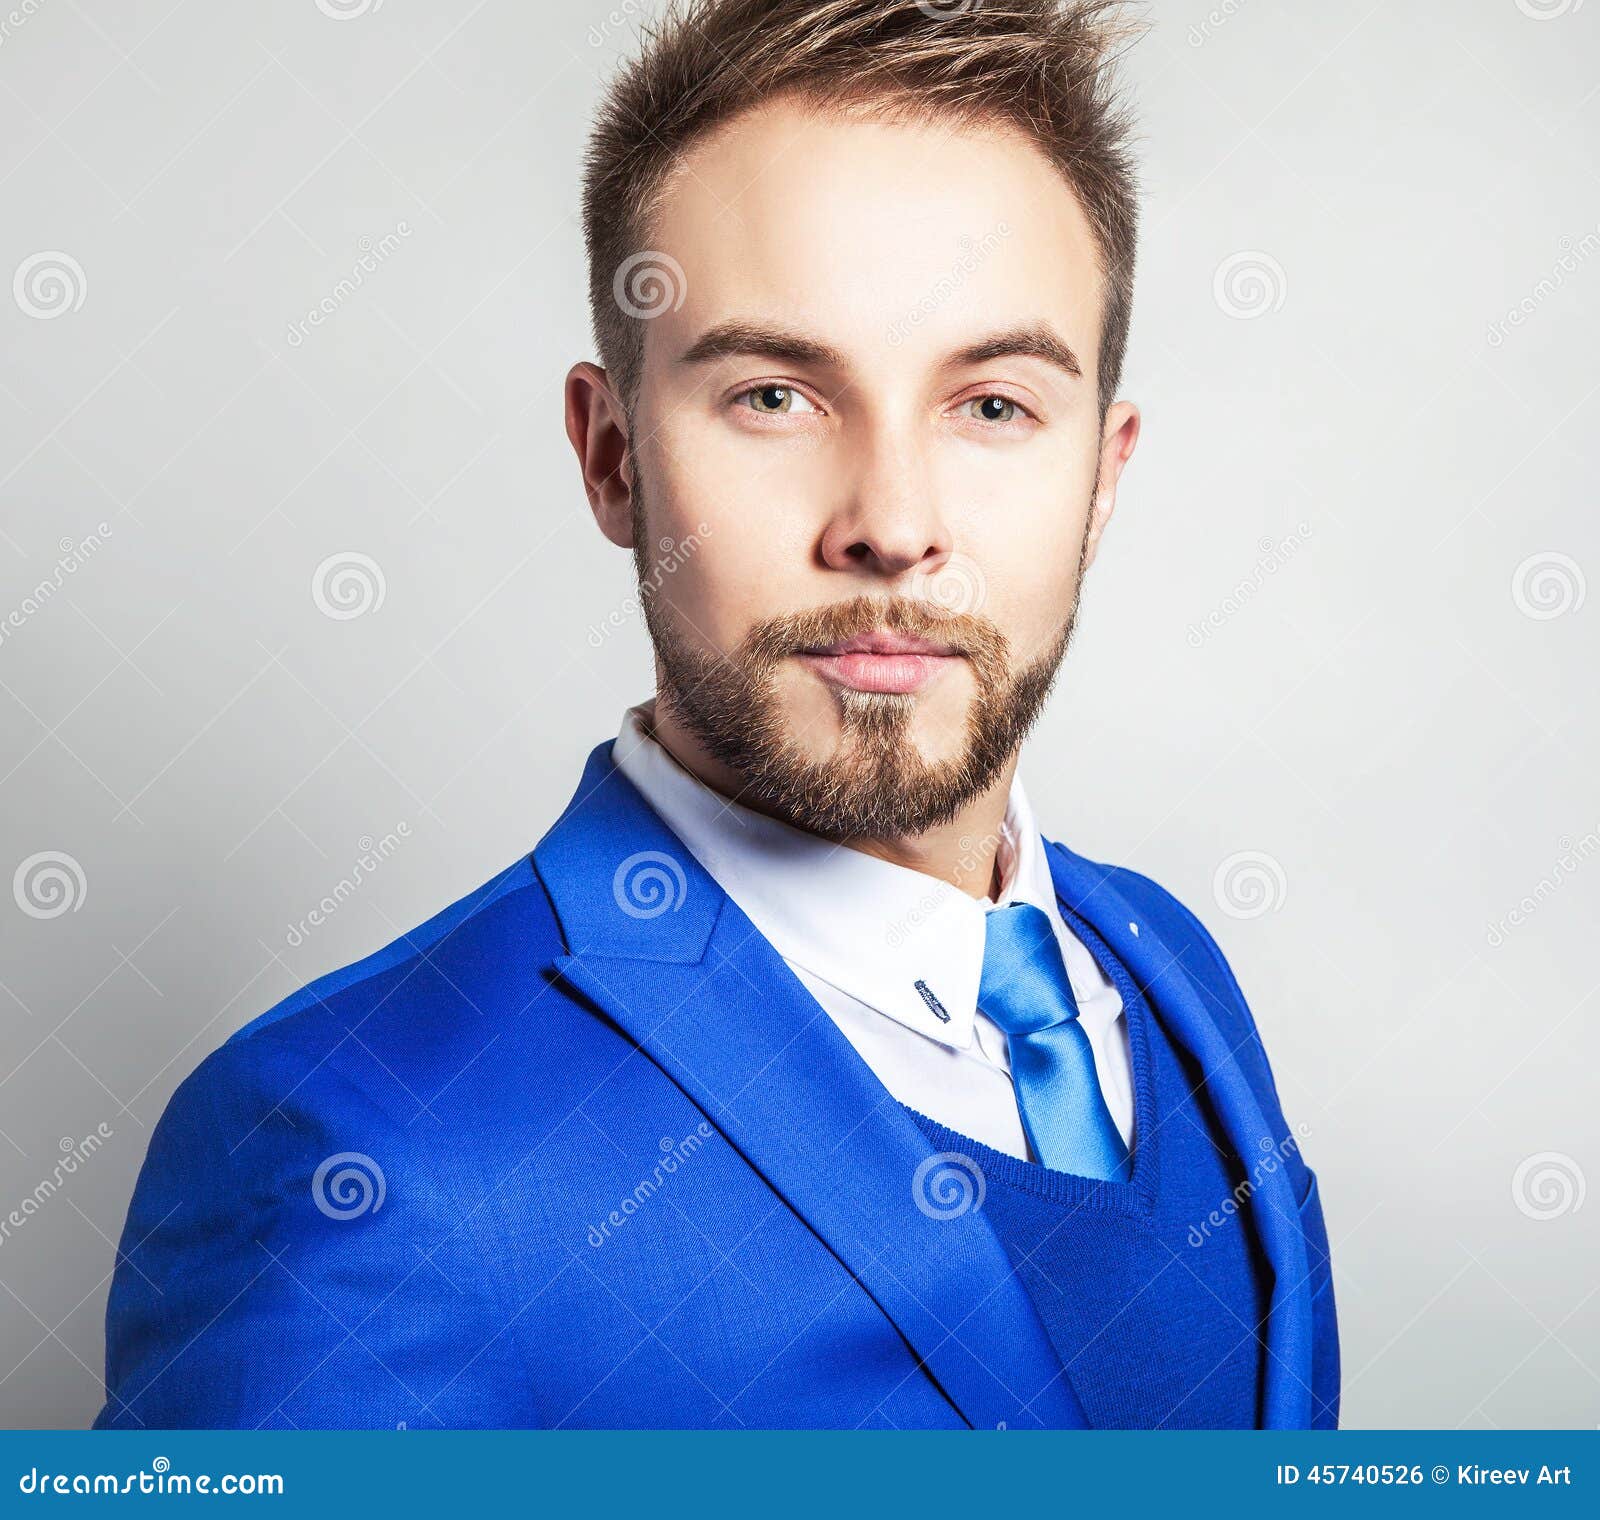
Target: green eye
(995,401)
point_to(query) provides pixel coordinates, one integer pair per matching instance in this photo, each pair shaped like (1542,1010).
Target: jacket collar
(659,948)
(662,950)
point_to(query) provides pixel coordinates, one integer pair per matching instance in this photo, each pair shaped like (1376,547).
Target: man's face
(836,446)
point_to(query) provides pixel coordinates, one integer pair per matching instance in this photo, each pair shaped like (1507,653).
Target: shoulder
(451,940)
(1174,924)
(1183,935)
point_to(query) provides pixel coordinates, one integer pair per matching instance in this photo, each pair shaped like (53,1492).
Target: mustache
(815,627)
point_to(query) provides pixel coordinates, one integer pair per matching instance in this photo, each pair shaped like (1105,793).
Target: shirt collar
(901,941)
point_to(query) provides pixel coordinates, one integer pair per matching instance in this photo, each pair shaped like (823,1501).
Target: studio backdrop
(306,627)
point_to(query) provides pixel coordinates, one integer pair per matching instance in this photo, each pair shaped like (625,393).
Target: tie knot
(1024,987)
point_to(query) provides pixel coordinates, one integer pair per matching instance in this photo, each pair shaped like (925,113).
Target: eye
(995,409)
(775,400)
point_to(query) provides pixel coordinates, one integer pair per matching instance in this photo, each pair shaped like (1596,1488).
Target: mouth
(880,661)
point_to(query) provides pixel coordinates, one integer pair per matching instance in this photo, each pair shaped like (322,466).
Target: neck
(963,852)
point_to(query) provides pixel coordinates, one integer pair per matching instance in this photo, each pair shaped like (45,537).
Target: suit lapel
(1180,1005)
(657,946)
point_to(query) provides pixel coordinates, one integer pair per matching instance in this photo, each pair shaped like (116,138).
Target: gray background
(1337,628)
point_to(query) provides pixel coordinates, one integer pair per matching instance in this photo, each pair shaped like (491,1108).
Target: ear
(598,428)
(1118,436)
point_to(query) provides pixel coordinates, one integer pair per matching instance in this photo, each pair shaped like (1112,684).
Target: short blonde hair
(1046,67)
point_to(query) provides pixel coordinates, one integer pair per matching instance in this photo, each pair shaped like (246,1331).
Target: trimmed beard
(876,785)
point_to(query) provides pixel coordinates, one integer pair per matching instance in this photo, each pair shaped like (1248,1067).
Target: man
(793,1079)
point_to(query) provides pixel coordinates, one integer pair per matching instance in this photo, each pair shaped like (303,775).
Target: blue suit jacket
(582,1150)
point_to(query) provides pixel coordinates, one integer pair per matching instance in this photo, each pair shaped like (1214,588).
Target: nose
(888,519)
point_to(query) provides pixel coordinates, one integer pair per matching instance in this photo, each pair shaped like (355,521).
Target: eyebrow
(1036,340)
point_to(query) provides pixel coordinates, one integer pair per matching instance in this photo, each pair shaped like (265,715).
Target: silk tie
(1025,990)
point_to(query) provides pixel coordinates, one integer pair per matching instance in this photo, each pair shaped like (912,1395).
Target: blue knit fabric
(1155,1332)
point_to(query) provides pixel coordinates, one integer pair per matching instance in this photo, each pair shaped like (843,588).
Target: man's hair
(1043,67)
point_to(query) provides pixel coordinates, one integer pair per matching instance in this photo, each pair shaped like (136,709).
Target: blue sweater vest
(1156,1317)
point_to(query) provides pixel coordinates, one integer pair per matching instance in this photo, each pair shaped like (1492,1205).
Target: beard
(876,784)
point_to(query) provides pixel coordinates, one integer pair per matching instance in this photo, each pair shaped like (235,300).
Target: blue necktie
(1026,992)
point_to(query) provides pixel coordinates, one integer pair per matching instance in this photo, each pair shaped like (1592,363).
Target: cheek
(752,544)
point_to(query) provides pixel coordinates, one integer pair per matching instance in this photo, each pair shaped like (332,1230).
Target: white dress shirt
(861,933)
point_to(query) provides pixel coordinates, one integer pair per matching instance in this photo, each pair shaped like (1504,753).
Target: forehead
(849,225)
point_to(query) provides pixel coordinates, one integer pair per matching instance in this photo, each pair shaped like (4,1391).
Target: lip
(880,661)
